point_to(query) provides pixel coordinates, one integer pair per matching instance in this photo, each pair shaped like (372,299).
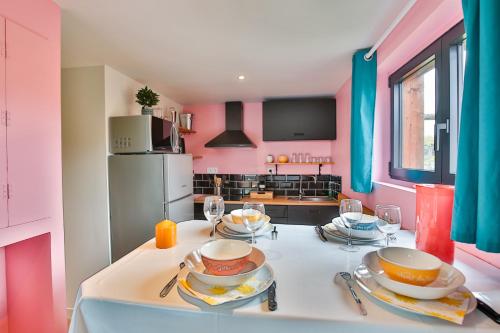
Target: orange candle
(166,234)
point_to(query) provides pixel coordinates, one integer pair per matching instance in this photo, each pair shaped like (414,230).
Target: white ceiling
(193,50)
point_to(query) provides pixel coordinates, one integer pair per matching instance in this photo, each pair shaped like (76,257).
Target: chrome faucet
(301,191)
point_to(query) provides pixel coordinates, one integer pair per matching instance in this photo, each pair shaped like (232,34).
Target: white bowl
(448,280)
(365,234)
(226,249)
(194,263)
(227,220)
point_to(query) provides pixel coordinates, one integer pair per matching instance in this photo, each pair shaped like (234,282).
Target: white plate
(227,220)
(364,234)
(368,284)
(448,281)
(197,268)
(332,234)
(265,274)
(226,232)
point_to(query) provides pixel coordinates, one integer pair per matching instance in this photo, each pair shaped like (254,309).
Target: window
(426,96)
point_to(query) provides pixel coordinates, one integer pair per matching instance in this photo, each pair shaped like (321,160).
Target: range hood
(233,136)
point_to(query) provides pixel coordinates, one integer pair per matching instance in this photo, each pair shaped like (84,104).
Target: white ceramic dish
(195,265)
(226,232)
(225,249)
(227,220)
(449,279)
(265,274)
(335,228)
(363,234)
(367,283)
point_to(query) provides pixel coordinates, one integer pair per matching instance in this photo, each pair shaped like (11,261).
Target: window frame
(440,49)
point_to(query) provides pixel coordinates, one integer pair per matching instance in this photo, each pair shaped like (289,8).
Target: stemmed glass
(351,212)
(253,217)
(389,220)
(213,209)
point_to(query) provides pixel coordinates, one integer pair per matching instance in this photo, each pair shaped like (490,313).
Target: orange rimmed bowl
(225,256)
(409,266)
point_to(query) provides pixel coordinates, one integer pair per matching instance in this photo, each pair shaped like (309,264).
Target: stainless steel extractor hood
(233,136)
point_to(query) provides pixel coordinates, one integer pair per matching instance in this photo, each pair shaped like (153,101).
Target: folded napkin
(451,308)
(215,295)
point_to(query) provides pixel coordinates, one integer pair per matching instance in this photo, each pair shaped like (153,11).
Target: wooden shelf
(197,157)
(183,130)
(319,164)
(301,163)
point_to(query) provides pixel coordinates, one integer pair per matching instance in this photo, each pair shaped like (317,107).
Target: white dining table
(124,297)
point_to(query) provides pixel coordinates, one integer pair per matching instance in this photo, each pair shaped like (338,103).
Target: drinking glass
(351,212)
(213,209)
(389,220)
(253,217)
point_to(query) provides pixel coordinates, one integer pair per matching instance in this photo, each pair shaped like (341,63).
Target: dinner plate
(265,274)
(194,263)
(448,280)
(367,283)
(332,234)
(361,234)
(226,232)
(227,220)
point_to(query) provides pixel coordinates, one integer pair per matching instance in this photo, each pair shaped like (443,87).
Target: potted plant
(147,98)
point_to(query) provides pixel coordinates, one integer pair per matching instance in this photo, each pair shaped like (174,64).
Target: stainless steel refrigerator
(143,190)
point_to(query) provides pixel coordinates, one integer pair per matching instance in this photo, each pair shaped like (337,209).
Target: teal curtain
(477,184)
(364,86)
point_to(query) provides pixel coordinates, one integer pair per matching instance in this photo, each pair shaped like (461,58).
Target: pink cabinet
(3,137)
(29,95)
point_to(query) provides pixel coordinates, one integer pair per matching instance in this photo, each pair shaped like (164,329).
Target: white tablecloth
(124,297)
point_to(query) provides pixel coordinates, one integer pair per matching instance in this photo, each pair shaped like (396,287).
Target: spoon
(348,281)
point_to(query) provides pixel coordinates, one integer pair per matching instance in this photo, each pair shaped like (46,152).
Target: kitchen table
(124,296)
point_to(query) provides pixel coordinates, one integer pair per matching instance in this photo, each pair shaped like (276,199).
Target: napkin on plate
(215,295)
(451,308)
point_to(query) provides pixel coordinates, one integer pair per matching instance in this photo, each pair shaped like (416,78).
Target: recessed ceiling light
(241,77)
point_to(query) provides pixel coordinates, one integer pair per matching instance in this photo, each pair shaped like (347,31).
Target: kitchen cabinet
(283,214)
(291,119)
(4,222)
(30,92)
(312,215)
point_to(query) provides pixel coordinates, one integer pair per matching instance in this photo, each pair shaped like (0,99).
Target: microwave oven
(142,134)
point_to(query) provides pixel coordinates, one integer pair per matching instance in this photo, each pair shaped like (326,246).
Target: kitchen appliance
(142,134)
(143,190)
(233,136)
(186,120)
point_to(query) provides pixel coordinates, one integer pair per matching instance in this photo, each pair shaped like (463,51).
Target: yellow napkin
(215,295)
(451,308)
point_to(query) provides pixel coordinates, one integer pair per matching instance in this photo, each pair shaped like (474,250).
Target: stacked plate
(229,229)
(415,281)
(224,271)
(365,232)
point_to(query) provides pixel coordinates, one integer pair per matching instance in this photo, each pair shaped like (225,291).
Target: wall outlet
(270,170)
(212,170)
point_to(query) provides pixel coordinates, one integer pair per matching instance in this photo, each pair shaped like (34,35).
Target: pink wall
(23,246)
(426,21)
(208,121)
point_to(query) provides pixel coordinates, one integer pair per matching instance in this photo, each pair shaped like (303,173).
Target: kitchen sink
(324,198)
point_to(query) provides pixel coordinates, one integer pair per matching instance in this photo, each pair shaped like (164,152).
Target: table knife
(488,311)
(320,232)
(272,305)
(164,292)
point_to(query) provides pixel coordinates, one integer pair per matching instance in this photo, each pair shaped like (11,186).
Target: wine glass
(213,209)
(253,217)
(351,212)
(389,220)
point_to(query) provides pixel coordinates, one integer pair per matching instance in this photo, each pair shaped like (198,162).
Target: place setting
(228,272)
(353,228)
(246,223)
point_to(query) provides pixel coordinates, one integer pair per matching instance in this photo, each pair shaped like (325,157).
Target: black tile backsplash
(237,185)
